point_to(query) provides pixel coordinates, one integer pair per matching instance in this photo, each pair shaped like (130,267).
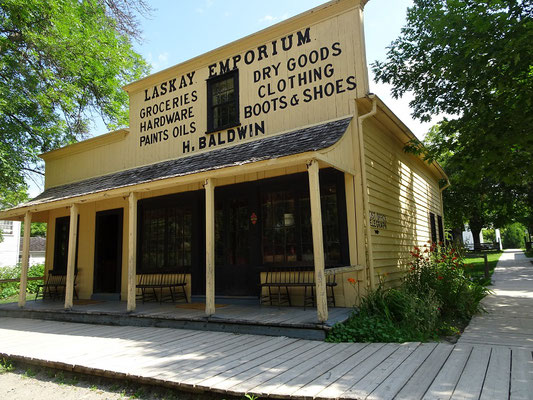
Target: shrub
(435,293)
(439,270)
(513,236)
(9,289)
(390,315)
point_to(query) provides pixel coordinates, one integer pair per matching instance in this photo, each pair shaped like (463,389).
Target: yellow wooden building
(268,153)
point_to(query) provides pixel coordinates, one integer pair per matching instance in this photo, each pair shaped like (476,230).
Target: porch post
(132,251)
(318,241)
(25,259)
(71,258)
(209,247)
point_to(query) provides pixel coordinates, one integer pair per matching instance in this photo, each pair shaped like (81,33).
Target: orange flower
(352,280)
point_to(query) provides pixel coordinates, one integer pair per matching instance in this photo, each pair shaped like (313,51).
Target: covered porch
(200,182)
(235,317)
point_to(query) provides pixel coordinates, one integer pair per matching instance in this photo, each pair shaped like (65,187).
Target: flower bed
(436,298)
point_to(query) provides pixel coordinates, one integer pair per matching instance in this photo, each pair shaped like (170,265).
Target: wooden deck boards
(274,366)
(281,367)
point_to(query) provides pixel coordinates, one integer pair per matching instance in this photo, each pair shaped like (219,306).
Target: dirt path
(25,382)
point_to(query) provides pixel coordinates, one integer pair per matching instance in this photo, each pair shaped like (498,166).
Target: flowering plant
(440,269)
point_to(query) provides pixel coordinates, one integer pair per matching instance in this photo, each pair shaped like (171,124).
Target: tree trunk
(476,230)
(457,236)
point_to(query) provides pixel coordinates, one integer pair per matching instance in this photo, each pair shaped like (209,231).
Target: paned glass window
(6,227)
(441,228)
(223,101)
(433,227)
(287,231)
(61,240)
(166,238)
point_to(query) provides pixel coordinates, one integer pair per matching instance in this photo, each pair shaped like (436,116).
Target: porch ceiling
(312,138)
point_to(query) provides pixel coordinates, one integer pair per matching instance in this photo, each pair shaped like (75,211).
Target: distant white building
(10,245)
(37,250)
(468,238)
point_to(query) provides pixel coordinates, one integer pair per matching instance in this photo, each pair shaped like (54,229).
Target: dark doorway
(236,236)
(108,251)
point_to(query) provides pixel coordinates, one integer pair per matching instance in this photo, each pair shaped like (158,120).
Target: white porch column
(71,258)
(25,259)
(209,247)
(318,241)
(132,251)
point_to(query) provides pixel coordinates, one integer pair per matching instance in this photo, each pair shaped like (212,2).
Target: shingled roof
(303,140)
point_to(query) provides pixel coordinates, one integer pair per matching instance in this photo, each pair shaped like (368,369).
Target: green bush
(513,236)
(9,289)
(439,271)
(434,296)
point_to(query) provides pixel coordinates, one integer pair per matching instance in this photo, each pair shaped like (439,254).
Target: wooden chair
(55,286)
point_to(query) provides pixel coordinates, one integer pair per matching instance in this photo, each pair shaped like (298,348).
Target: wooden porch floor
(236,318)
(278,367)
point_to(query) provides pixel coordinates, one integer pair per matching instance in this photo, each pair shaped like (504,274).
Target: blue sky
(178,30)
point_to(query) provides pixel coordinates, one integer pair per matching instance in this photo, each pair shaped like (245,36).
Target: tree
(37,229)
(61,62)
(513,236)
(480,203)
(472,60)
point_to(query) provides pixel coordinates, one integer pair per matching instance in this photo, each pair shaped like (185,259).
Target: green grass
(528,253)
(475,267)
(15,298)
(6,365)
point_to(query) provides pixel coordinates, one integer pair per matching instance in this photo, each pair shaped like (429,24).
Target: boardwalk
(282,367)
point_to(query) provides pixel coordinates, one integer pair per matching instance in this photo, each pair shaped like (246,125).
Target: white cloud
(269,19)
(161,62)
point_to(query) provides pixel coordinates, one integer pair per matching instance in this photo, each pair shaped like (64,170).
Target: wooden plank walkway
(492,360)
(509,317)
(277,367)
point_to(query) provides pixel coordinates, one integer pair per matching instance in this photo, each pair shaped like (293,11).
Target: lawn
(15,298)
(475,267)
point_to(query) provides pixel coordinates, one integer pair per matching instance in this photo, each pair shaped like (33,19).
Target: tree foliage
(472,60)
(61,62)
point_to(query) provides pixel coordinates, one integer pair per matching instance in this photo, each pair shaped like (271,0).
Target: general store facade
(266,152)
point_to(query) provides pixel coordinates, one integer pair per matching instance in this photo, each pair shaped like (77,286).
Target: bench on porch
(55,286)
(278,281)
(171,286)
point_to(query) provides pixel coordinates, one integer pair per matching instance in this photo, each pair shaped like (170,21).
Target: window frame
(433,226)
(440,227)
(58,269)
(6,227)
(181,202)
(298,185)
(234,74)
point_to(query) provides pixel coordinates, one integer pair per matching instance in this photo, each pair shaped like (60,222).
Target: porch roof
(312,138)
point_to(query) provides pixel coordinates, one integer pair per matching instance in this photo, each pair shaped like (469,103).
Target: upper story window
(223,101)
(6,227)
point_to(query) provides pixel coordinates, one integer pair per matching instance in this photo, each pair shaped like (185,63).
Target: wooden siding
(401,187)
